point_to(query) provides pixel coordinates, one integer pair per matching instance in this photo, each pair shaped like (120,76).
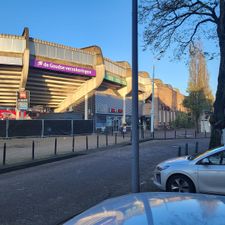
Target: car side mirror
(205,162)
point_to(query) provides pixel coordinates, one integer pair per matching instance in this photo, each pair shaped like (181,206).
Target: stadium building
(70,83)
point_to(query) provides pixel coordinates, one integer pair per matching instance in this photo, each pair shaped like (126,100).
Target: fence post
(196,147)
(186,149)
(55,149)
(175,134)
(73,143)
(106,139)
(4,154)
(71,127)
(97,141)
(7,129)
(42,128)
(115,138)
(86,142)
(33,150)
(179,151)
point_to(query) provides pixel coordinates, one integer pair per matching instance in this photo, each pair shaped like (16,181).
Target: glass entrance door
(115,124)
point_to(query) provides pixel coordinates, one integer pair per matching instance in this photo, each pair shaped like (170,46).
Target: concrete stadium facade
(82,82)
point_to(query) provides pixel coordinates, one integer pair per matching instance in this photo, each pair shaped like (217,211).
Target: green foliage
(183,120)
(196,102)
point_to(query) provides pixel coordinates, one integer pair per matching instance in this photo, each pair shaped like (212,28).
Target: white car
(204,172)
(154,209)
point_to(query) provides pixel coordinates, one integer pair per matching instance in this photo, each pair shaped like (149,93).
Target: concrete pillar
(86,107)
(124,110)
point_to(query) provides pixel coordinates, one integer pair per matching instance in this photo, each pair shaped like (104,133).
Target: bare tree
(181,22)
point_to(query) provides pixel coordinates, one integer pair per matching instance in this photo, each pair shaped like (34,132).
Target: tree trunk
(197,123)
(218,118)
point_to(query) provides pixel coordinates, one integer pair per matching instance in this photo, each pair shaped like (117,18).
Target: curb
(19,166)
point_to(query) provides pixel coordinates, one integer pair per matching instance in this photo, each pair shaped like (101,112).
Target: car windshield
(198,155)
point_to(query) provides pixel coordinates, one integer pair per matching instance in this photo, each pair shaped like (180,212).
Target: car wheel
(180,183)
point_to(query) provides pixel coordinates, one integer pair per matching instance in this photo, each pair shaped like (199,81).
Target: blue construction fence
(44,128)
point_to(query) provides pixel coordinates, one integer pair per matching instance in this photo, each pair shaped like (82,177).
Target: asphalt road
(49,194)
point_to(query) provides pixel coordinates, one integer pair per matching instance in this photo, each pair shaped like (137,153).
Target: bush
(183,120)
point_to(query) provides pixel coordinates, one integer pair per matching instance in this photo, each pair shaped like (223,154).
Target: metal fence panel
(2,128)
(82,126)
(57,127)
(23,128)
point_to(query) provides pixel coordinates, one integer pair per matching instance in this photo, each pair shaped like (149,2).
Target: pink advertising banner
(62,68)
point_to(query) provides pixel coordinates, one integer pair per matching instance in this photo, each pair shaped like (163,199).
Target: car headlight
(160,168)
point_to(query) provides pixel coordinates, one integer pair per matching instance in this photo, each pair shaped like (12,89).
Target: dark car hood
(155,209)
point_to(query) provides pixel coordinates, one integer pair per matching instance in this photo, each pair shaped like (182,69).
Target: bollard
(106,139)
(196,147)
(7,129)
(123,134)
(73,144)
(115,138)
(153,135)
(179,151)
(97,141)
(86,142)
(42,128)
(195,134)
(4,154)
(55,149)
(175,134)
(205,134)
(142,133)
(164,134)
(185,133)
(186,149)
(33,150)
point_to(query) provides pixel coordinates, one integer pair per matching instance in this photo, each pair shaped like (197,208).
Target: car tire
(180,183)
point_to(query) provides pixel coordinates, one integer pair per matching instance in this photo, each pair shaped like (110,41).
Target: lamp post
(153,92)
(153,96)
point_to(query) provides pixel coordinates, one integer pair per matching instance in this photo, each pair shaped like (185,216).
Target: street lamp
(153,93)
(153,96)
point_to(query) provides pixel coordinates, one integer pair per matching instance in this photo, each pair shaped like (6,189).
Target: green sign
(115,79)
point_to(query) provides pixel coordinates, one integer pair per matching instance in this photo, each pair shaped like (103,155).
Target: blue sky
(105,23)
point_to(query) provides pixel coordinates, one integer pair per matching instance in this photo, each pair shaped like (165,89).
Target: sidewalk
(20,150)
